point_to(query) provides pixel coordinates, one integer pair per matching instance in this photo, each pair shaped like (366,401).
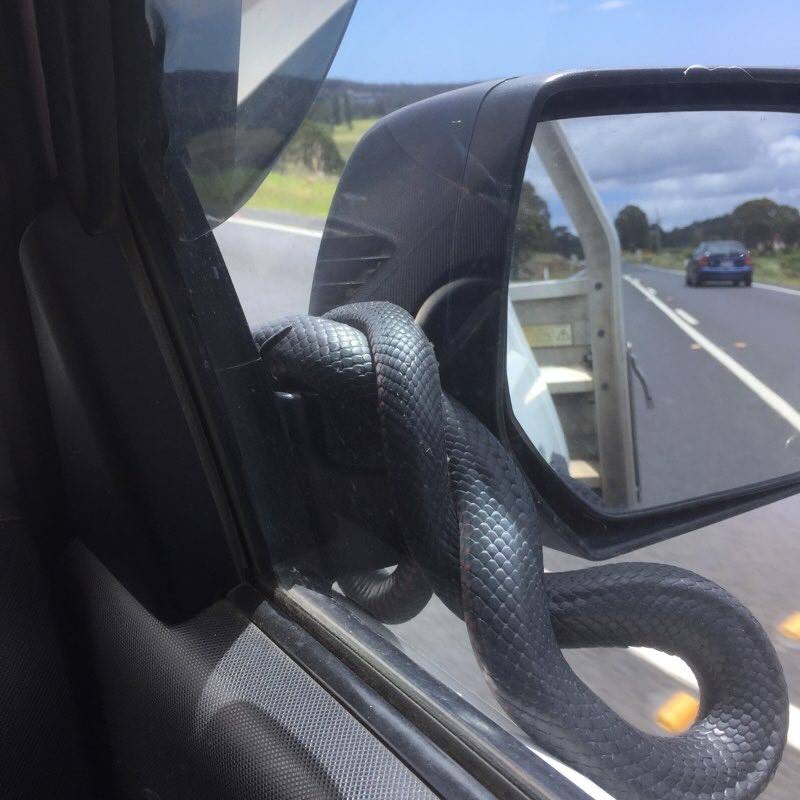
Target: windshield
(266,180)
(721,248)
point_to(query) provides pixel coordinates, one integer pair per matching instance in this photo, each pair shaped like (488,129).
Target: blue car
(719,261)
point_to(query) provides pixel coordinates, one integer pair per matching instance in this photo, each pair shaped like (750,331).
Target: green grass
(297,191)
(783,269)
(347,138)
(666,259)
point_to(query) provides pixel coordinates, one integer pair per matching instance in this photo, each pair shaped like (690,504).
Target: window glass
(269,232)
(394,54)
(237,80)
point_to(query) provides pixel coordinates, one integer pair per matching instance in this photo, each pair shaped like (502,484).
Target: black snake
(469,532)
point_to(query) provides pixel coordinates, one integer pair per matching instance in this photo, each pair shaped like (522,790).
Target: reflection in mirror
(654,303)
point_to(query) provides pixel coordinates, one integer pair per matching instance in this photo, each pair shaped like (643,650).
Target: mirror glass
(654,303)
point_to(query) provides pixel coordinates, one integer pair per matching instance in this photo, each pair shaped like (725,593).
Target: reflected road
(721,432)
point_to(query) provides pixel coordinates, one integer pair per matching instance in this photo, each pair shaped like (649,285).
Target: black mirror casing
(424,217)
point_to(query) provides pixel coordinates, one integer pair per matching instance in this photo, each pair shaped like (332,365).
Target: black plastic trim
(499,760)
(427,761)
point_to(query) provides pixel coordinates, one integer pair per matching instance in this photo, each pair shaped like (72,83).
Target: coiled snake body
(469,531)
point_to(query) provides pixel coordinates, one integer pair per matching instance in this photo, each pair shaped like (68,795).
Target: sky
(680,167)
(417,41)
(677,167)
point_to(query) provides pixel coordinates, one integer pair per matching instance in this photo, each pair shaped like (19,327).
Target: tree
(379,107)
(567,244)
(788,220)
(791,233)
(632,227)
(336,109)
(656,237)
(532,233)
(757,222)
(314,148)
(347,110)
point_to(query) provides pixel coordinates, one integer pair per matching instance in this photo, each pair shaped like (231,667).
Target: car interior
(160,514)
(128,667)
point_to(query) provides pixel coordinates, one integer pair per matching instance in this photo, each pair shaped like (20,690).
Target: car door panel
(214,708)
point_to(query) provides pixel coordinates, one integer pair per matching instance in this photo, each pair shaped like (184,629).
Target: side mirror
(535,229)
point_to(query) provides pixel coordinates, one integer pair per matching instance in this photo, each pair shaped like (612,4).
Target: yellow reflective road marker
(740,345)
(678,713)
(790,627)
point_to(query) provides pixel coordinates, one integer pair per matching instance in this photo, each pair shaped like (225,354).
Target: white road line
(781,289)
(686,316)
(759,388)
(793,736)
(673,666)
(677,669)
(581,781)
(276,226)
(662,270)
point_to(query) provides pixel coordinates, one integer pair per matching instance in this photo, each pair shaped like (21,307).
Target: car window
(269,221)
(726,247)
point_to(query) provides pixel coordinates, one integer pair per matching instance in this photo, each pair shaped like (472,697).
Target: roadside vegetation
(347,135)
(304,179)
(541,251)
(770,231)
(299,192)
(780,268)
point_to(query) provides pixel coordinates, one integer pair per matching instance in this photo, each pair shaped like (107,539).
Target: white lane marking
(276,226)
(781,289)
(686,316)
(793,736)
(679,670)
(672,665)
(581,781)
(757,284)
(759,388)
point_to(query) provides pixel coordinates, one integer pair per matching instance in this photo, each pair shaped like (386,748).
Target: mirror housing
(424,217)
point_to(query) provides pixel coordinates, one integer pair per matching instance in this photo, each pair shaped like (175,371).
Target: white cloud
(786,151)
(612,5)
(682,166)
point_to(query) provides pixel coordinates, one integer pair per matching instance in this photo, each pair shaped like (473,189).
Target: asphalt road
(271,259)
(709,430)
(706,420)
